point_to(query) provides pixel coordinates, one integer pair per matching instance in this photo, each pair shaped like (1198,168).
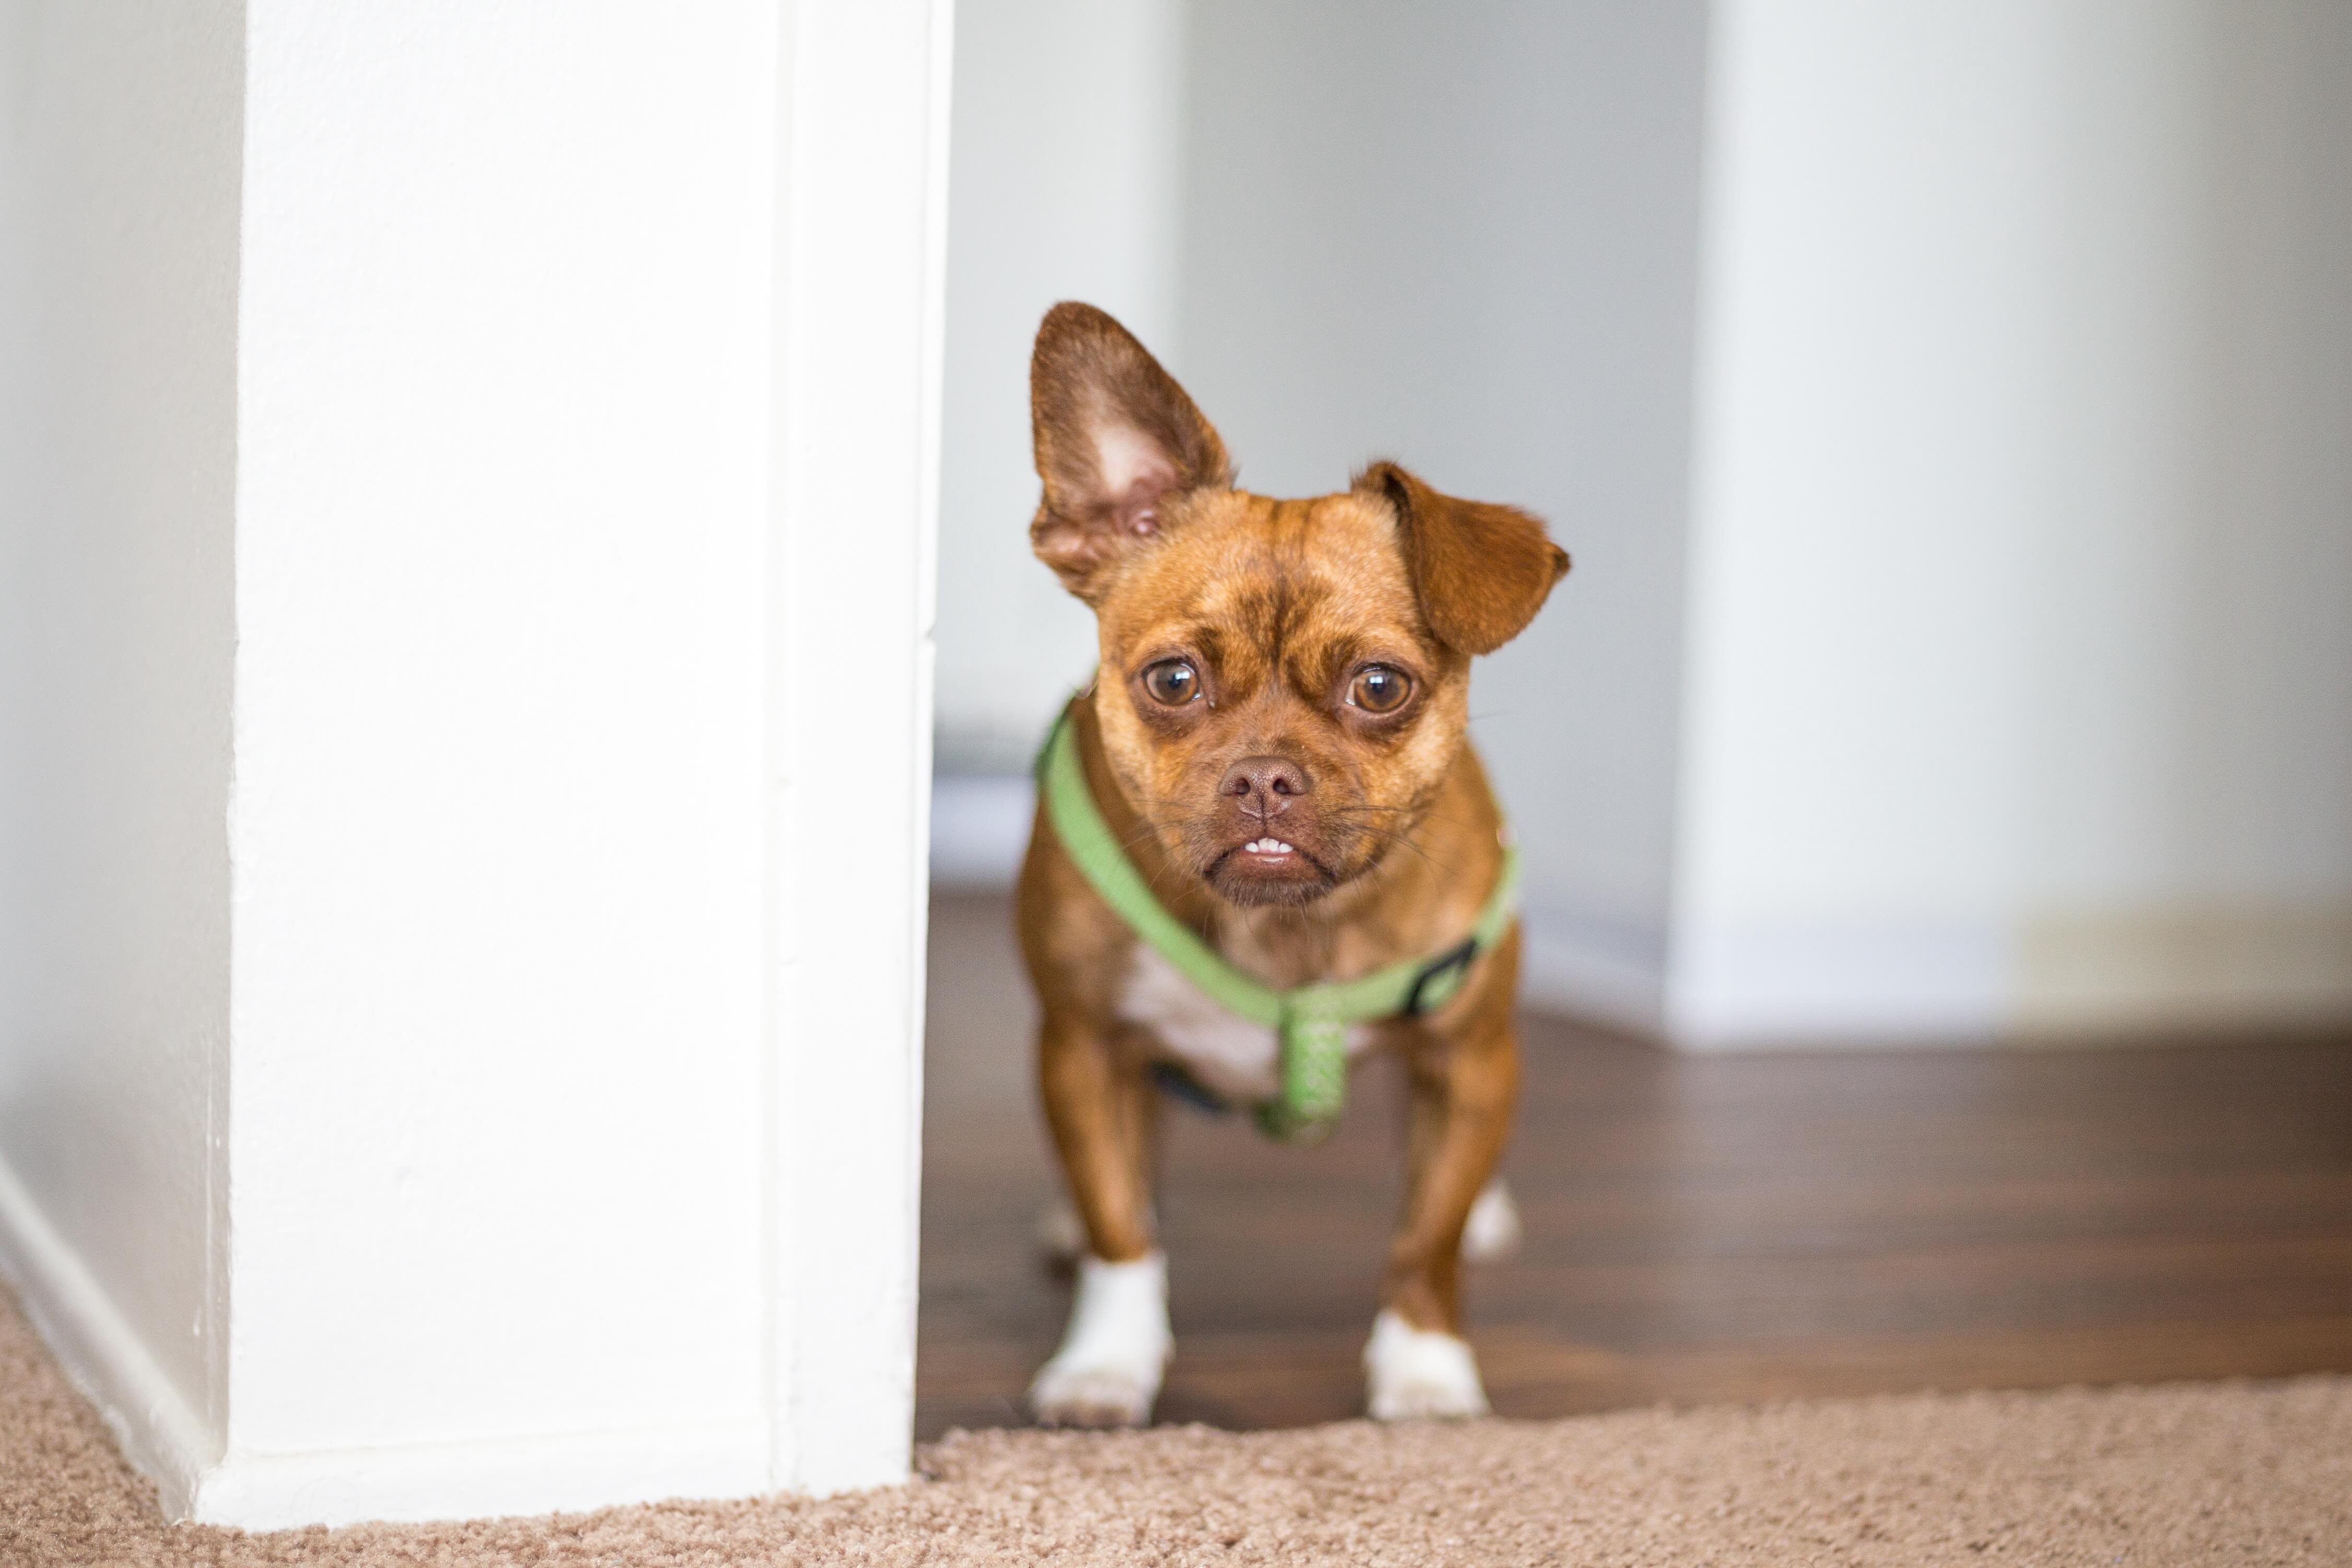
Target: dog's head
(1284,684)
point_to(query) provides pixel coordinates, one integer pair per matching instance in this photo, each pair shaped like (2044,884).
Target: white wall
(506,1097)
(502,535)
(2021,585)
(1466,237)
(1873,399)
(2189,833)
(1068,129)
(119,172)
(857,344)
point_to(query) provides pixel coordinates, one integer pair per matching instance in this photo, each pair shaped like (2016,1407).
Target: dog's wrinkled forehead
(1259,586)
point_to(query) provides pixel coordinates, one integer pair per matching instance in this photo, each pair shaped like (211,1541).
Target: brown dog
(1277,732)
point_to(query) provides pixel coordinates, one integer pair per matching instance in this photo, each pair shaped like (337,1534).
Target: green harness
(1310,1021)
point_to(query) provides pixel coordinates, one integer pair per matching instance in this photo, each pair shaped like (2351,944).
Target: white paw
(1419,1374)
(1492,1231)
(1107,1373)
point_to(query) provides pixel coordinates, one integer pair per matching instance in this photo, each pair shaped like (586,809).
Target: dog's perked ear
(1116,438)
(1481,570)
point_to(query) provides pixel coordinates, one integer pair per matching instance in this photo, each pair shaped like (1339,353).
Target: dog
(1274,744)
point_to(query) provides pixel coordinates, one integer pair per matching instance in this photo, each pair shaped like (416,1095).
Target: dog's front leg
(1101,1106)
(1463,1089)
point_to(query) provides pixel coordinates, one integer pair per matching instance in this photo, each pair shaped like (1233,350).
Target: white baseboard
(161,1434)
(1829,986)
(980,828)
(1578,965)
(569,1471)
(1802,988)
(166,1441)
(2185,966)
(2127,974)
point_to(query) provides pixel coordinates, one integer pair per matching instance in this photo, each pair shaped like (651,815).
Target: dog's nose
(1264,786)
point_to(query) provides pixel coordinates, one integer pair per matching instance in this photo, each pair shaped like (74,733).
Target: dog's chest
(1237,1058)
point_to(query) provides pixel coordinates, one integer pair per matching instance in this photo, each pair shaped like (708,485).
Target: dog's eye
(1172,682)
(1379,690)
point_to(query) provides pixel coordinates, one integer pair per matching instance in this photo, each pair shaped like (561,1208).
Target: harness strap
(1310,1021)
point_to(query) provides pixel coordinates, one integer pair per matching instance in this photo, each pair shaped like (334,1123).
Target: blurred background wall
(1065,169)
(1949,407)
(2019,688)
(121,146)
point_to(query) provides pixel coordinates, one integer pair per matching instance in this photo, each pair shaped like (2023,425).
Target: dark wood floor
(1698,1228)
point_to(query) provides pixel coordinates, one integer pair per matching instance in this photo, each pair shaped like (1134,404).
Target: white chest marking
(1230,1055)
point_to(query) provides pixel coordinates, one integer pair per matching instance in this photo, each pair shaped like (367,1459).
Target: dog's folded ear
(1116,439)
(1481,570)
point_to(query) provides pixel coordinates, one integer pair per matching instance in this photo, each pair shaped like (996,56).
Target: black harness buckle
(1453,962)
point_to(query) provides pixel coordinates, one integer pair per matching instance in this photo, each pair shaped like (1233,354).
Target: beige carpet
(2224,1473)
